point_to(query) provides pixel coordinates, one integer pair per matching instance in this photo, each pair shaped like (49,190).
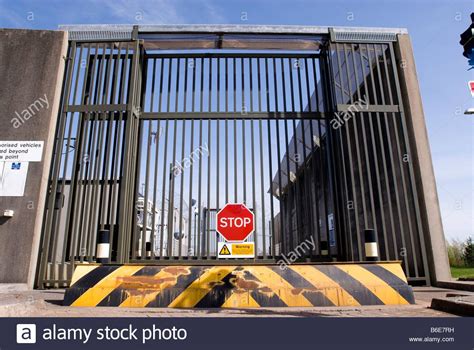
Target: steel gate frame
(128,113)
(133,111)
(259,61)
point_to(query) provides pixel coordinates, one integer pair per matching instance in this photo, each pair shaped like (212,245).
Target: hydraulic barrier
(298,285)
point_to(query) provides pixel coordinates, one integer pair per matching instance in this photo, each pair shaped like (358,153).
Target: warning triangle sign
(224,250)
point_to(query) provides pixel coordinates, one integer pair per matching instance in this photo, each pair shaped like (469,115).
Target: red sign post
(235,222)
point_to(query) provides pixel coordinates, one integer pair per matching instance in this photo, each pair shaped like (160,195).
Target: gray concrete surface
(32,66)
(457,304)
(458,285)
(47,303)
(437,258)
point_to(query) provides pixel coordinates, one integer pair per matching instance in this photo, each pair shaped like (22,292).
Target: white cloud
(213,14)
(156,12)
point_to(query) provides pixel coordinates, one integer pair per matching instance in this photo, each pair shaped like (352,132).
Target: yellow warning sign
(224,250)
(243,250)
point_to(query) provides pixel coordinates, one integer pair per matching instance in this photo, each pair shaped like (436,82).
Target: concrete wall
(31,65)
(423,166)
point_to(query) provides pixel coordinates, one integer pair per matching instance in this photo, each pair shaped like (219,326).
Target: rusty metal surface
(239,286)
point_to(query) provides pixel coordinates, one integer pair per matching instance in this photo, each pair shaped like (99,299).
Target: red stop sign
(235,222)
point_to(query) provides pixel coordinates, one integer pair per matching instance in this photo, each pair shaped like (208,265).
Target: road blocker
(245,286)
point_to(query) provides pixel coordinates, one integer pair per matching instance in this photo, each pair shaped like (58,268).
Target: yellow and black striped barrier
(230,286)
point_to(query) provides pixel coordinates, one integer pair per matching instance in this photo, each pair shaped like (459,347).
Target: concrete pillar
(423,166)
(31,66)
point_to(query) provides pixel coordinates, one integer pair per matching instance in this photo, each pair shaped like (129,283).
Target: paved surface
(462,305)
(47,303)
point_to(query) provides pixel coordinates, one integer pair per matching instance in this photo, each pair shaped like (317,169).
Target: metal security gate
(151,144)
(92,172)
(225,127)
(375,176)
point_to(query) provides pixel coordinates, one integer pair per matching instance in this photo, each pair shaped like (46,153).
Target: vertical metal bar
(68,236)
(304,209)
(181,193)
(295,160)
(390,152)
(351,167)
(280,194)
(218,146)
(364,138)
(72,211)
(55,168)
(84,176)
(122,253)
(317,177)
(98,160)
(165,164)
(135,246)
(145,195)
(287,143)
(157,152)
(200,165)
(126,223)
(191,145)
(376,158)
(137,96)
(94,156)
(244,111)
(384,163)
(112,148)
(226,60)
(312,220)
(329,99)
(102,201)
(76,218)
(144,230)
(267,91)
(234,67)
(331,150)
(209,126)
(118,148)
(356,137)
(130,157)
(108,143)
(157,140)
(87,159)
(171,206)
(262,169)
(172,184)
(252,147)
(190,215)
(208,217)
(100,148)
(135,235)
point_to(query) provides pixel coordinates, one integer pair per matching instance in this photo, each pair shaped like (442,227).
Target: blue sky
(434,27)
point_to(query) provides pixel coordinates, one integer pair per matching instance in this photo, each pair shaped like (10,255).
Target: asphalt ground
(48,303)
